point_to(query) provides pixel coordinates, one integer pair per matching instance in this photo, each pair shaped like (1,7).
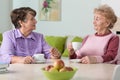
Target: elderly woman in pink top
(21,43)
(103,45)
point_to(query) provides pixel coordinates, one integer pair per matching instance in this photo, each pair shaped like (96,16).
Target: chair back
(116,73)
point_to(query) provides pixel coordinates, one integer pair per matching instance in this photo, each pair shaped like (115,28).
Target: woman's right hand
(55,54)
(70,49)
(24,60)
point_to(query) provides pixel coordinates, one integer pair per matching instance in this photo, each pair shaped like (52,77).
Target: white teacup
(76,45)
(38,57)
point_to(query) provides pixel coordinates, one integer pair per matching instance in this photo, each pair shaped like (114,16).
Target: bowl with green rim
(67,75)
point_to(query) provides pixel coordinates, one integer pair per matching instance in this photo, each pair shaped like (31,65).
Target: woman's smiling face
(29,23)
(100,22)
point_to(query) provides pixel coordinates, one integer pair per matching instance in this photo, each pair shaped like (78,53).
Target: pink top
(103,47)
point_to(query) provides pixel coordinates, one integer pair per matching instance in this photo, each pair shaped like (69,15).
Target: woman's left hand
(89,60)
(28,60)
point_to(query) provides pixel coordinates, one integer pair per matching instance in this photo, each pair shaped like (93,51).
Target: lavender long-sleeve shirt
(14,43)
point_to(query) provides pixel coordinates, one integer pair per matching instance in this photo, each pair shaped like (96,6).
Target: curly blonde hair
(108,13)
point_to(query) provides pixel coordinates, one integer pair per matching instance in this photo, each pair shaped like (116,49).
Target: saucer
(40,62)
(3,70)
(3,65)
(75,60)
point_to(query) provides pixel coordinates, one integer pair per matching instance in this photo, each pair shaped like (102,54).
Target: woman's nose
(35,21)
(94,22)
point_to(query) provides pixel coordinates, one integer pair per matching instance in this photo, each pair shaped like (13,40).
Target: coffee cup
(38,57)
(76,45)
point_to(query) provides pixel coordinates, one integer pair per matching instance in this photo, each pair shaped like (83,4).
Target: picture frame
(50,10)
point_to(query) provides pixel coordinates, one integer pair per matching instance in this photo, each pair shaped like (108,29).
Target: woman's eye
(33,19)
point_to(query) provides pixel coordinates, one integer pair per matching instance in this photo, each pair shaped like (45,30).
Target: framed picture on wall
(50,10)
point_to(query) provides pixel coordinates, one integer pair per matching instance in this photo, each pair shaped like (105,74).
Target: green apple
(58,64)
(53,69)
(47,68)
(64,69)
(69,68)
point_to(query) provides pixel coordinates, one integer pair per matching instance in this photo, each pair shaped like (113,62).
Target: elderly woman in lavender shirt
(21,43)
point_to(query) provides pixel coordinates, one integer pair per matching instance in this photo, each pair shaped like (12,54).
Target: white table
(33,72)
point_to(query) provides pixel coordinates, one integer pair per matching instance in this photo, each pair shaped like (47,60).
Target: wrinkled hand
(24,60)
(89,60)
(55,54)
(28,60)
(70,49)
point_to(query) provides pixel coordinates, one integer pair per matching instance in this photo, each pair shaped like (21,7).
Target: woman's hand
(88,60)
(24,60)
(55,54)
(70,49)
(28,60)
(85,60)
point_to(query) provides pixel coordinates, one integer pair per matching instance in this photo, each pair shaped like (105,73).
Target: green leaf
(49,6)
(46,10)
(49,0)
(42,8)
